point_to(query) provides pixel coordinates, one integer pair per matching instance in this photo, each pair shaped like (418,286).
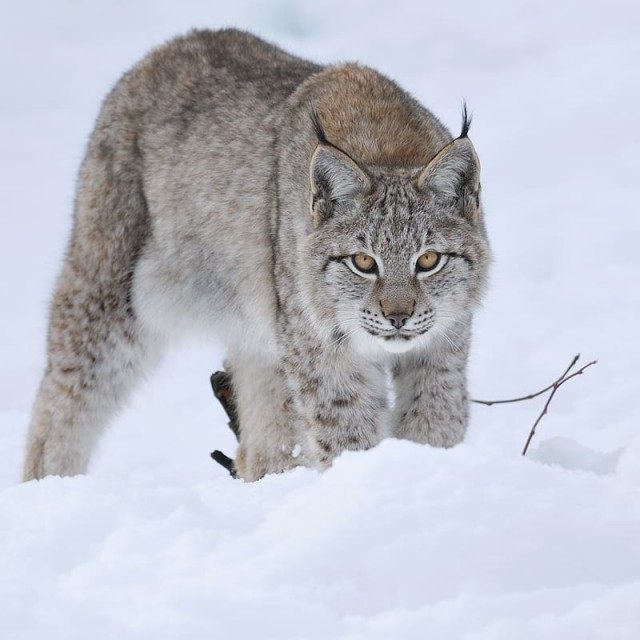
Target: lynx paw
(251,465)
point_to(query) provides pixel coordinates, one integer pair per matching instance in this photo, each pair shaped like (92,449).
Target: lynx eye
(428,261)
(364,263)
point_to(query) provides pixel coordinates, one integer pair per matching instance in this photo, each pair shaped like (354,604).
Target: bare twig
(532,395)
(554,387)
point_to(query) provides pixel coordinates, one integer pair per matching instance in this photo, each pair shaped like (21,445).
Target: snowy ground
(402,541)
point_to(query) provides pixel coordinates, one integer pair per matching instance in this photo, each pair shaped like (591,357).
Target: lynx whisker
(343,337)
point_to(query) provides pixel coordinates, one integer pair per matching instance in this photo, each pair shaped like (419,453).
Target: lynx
(318,221)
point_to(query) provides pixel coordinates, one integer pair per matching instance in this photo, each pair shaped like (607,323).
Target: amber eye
(363,262)
(428,261)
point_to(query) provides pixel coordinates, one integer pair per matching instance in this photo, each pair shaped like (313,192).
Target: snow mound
(401,541)
(570,454)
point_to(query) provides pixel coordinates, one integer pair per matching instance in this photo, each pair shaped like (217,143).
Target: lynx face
(397,251)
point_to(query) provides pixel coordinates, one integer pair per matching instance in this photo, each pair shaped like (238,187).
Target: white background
(402,541)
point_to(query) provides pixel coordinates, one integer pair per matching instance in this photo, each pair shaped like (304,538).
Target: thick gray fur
(207,202)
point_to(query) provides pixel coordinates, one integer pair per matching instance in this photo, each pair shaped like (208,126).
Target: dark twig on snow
(532,395)
(554,387)
(225,461)
(223,390)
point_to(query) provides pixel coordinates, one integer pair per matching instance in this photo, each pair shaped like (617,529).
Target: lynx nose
(397,311)
(398,318)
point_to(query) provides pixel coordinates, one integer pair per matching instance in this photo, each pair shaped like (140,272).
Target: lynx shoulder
(318,221)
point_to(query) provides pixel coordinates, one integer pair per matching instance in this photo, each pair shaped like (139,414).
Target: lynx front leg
(341,399)
(432,405)
(268,437)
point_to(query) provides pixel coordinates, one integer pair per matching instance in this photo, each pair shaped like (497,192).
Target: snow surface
(403,541)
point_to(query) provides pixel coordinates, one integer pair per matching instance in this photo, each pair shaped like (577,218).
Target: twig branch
(554,387)
(488,403)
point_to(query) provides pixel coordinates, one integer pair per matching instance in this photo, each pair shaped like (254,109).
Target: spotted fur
(225,189)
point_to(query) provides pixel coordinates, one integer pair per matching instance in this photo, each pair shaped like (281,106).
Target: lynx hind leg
(268,435)
(96,348)
(94,360)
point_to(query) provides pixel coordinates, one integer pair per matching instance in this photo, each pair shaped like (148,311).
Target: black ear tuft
(466,121)
(318,128)
(335,176)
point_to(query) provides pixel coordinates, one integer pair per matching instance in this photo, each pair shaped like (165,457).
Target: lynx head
(398,256)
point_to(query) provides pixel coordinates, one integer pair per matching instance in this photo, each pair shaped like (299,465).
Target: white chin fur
(397,345)
(371,346)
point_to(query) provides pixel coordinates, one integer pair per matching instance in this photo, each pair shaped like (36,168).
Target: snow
(570,454)
(402,541)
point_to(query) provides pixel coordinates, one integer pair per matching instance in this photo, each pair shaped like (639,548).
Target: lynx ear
(335,178)
(454,174)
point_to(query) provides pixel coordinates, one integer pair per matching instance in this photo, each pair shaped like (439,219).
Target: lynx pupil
(364,263)
(428,261)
